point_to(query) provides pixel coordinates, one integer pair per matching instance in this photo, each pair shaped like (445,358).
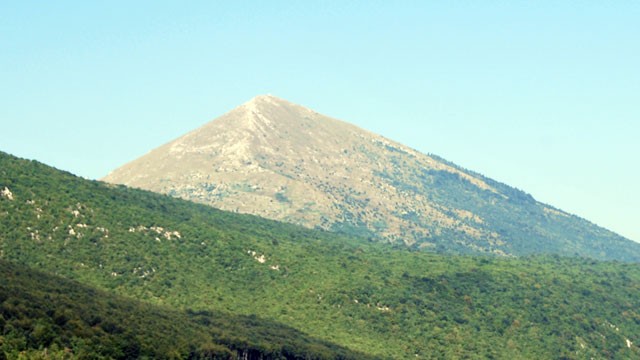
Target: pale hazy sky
(544,95)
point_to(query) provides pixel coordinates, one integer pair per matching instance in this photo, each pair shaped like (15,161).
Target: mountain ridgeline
(210,283)
(285,162)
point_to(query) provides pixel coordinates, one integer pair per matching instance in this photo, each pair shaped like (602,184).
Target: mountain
(310,288)
(285,162)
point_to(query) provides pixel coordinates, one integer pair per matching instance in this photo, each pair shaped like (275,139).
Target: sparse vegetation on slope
(282,161)
(363,296)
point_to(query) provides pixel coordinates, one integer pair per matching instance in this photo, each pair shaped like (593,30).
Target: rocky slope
(282,161)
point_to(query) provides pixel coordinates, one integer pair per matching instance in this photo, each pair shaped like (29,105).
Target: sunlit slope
(282,161)
(365,296)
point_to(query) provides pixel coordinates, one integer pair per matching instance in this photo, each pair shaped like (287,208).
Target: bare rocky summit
(282,161)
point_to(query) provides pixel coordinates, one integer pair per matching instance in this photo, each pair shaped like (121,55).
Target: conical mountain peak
(262,115)
(270,103)
(266,102)
(282,161)
(266,99)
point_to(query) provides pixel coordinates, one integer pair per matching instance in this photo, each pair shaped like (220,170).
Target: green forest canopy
(363,296)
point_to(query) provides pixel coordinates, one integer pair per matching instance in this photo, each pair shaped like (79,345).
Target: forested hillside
(360,295)
(44,316)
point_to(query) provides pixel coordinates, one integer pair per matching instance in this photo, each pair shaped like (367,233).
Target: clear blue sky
(543,95)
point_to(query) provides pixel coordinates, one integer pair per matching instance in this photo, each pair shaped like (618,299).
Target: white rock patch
(262,259)
(105,231)
(6,193)
(35,235)
(167,234)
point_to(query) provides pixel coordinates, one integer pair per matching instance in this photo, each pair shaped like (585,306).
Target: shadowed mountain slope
(44,316)
(285,162)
